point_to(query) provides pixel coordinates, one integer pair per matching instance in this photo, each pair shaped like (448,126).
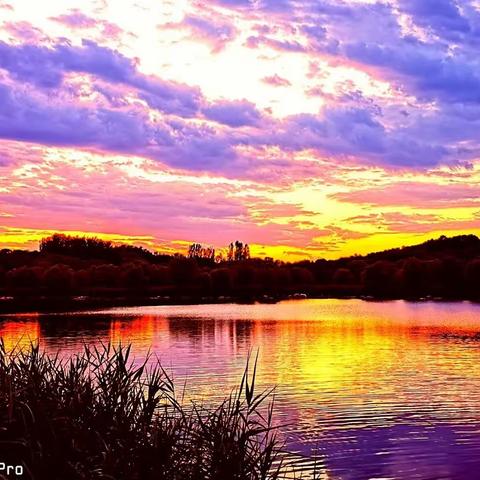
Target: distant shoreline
(76,273)
(79,304)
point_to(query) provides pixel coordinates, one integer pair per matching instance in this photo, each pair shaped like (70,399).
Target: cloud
(274,44)
(35,118)
(390,132)
(443,17)
(276,81)
(233,113)
(75,19)
(174,209)
(46,67)
(414,194)
(214,30)
(24,31)
(399,222)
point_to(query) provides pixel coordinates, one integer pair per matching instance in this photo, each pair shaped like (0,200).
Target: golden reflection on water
(371,380)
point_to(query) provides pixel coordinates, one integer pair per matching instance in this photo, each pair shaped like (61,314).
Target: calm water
(377,390)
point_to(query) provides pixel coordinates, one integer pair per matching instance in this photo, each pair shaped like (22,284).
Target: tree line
(71,265)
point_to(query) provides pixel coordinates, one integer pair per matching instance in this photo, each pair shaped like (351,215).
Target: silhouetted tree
(133,276)
(343,276)
(82,279)
(238,251)
(83,247)
(282,277)
(204,282)
(105,275)
(301,276)
(452,276)
(379,278)
(24,277)
(441,267)
(183,270)
(412,277)
(323,271)
(198,251)
(221,280)
(58,279)
(158,274)
(244,275)
(472,277)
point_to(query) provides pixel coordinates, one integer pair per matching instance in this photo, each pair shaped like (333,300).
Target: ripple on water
(364,390)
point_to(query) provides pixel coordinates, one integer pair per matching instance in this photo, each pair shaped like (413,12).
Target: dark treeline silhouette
(66,266)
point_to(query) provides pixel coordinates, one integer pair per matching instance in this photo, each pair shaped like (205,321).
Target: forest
(84,267)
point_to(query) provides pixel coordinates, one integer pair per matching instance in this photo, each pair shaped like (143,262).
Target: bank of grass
(99,416)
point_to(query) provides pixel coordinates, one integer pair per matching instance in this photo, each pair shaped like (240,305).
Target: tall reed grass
(99,416)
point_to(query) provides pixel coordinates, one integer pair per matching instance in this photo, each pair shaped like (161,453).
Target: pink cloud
(415,194)
(76,19)
(396,222)
(276,81)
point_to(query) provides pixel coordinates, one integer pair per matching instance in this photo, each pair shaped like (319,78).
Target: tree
(244,275)
(182,270)
(158,274)
(221,280)
(379,278)
(133,276)
(301,276)
(238,251)
(231,253)
(24,277)
(87,247)
(472,277)
(198,251)
(105,275)
(343,276)
(412,277)
(58,278)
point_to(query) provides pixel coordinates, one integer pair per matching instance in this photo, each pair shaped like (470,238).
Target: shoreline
(45,305)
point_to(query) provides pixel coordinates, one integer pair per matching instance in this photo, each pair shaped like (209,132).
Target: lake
(375,390)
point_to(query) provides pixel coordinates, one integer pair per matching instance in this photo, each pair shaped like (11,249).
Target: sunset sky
(307,128)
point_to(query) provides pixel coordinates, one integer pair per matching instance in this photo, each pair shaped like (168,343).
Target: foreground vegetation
(97,416)
(68,267)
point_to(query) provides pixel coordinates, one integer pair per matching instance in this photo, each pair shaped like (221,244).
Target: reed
(98,415)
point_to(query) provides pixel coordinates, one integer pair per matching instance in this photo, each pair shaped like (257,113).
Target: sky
(306,128)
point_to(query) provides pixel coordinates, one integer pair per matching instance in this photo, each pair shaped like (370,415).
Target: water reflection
(378,390)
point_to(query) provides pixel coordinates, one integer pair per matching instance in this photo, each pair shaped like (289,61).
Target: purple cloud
(24,31)
(46,67)
(233,113)
(29,118)
(443,17)
(216,32)
(75,19)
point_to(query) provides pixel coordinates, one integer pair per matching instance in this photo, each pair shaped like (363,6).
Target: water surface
(376,390)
